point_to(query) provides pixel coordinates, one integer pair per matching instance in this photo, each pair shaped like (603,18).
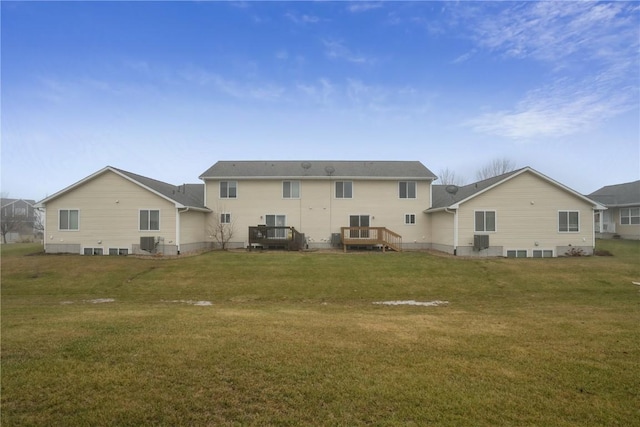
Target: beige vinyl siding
(109,208)
(626,231)
(527,209)
(442,231)
(318,213)
(194,232)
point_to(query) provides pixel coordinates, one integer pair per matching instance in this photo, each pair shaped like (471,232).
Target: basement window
(93,251)
(517,253)
(542,253)
(118,251)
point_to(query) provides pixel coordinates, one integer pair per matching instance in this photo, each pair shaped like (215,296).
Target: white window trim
(225,213)
(227,181)
(118,249)
(290,181)
(64,230)
(495,212)
(628,216)
(335,192)
(408,198)
(415,219)
(159,219)
(93,248)
(568,231)
(553,253)
(506,252)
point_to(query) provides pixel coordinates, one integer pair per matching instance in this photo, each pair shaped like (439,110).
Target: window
(344,190)
(149,220)
(291,189)
(407,189)
(542,253)
(485,221)
(276,221)
(20,211)
(69,219)
(629,216)
(228,189)
(118,251)
(519,253)
(409,219)
(225,218)
(568,221)
(92,251)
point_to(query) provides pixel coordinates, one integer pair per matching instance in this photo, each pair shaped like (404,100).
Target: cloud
(336,49)
(302,19)
(552,31)
(363,6)
(259,91)
(559,109)
(590,50)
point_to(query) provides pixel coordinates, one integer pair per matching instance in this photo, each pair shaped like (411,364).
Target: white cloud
(363,6)
(591,51)
(336,49)
(560,109)
(302,19)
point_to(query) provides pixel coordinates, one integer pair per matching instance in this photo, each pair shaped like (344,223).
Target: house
(319,204)
(114,212)
(622,217)
(19,220)
(361,203)
(518,214)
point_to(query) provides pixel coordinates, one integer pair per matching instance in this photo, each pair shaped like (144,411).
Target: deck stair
(370,236)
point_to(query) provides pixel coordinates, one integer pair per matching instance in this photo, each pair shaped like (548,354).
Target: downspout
(178,227)
(455,229)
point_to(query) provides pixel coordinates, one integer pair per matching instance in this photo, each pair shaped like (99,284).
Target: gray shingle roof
(618,195)
(190,195)
(319,169)
(443,198)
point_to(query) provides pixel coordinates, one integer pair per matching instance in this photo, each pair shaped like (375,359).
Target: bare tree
(10,223)
(448,177)
(221,227)
(495,167)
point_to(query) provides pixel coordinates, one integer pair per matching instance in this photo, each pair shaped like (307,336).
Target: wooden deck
(370,236)
(264,236)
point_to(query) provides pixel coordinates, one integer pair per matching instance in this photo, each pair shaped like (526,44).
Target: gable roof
(6,202)
(183,196)
(619,195)
(319,169)
(451,196)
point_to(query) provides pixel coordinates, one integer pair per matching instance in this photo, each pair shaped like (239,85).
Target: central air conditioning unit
(148,244)
(480,242)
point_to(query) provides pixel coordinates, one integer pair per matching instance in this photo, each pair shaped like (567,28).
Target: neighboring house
(320,204)
(518,214)
(114,212)
(19,220)
(622,217)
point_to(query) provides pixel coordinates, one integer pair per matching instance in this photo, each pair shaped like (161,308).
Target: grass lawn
(296,339)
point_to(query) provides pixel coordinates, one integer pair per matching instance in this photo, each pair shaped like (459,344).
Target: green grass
(295,339)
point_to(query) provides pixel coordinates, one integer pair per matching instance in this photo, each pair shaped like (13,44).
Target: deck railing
(370,236)
(276,237)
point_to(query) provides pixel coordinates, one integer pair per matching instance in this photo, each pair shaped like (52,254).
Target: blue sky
(166,89)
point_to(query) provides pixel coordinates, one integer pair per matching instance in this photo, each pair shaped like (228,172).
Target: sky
(166,89)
